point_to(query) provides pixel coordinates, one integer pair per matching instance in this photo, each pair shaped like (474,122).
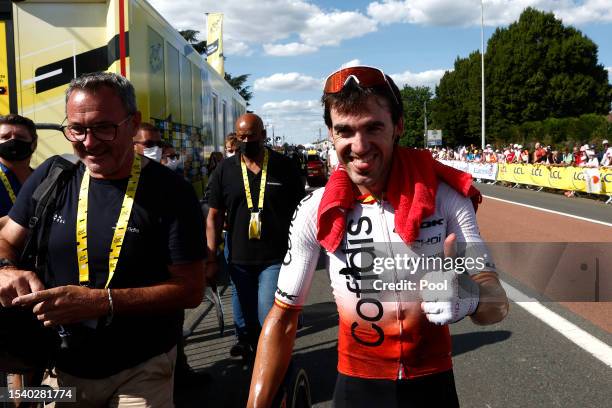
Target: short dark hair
(95,80)
(353,98)
(14,119)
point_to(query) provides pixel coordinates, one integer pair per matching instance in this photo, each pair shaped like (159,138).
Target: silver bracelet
(111,311)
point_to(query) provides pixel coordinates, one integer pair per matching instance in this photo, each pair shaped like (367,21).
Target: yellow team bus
(45,43)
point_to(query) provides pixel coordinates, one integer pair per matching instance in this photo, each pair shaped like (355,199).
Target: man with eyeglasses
(384,203)
(148,142)
(125,255)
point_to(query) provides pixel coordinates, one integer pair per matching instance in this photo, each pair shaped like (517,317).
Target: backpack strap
(45,197)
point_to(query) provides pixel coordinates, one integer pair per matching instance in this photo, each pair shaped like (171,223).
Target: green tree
(191,36)
(414,100)
(538,68)
(238,83)
(456,109)
(535,69)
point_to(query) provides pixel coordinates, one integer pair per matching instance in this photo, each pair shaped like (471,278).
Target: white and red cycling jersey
(388,339)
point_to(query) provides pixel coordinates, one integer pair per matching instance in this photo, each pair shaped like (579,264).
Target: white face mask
(230,154)
(172,164)
(153,153)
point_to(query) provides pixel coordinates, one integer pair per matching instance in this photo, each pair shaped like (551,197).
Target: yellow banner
(504,173)
(606,180)
(562,178)
(4,88)
(214,42)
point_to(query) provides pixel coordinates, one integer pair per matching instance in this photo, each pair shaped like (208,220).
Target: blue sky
(289,46)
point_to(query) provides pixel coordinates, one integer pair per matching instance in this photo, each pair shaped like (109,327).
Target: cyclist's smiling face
(104,159)
(364,141)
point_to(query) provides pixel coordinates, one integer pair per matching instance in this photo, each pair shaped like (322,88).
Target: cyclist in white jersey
(394,345)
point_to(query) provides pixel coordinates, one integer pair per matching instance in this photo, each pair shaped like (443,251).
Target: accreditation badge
(255,225)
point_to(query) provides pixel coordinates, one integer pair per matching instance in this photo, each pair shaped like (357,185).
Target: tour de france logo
(156,59)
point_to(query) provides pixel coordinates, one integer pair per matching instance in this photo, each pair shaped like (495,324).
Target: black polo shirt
(284,190)
(165,228)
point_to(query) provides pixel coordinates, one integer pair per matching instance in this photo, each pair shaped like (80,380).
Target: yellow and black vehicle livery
(45,43)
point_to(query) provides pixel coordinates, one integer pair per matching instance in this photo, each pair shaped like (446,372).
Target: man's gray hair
(95,80)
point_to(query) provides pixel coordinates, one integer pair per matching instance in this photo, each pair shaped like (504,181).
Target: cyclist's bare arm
(273,355)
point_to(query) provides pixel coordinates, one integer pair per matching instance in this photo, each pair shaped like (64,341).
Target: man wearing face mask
(259,189)
(170,158)
(17,143)
(148,143)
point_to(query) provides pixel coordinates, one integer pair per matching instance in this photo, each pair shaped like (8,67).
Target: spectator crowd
(586,155)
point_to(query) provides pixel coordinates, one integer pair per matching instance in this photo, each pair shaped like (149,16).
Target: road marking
(41,77)
(607,224)
(584,340)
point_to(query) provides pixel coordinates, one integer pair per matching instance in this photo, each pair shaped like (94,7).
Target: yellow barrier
(562,178)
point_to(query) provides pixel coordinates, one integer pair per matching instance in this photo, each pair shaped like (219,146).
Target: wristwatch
(4,262)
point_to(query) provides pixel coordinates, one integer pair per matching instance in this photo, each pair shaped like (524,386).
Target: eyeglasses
(149,143)
(104,132)
(366,77)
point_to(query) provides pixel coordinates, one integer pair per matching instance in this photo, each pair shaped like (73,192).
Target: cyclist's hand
(449,296)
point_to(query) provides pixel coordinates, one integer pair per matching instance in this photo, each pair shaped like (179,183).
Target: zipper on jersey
(398,304)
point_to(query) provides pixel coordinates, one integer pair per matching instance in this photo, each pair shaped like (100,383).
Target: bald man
(257,190)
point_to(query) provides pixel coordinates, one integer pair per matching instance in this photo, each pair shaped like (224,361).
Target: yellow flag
(214,42)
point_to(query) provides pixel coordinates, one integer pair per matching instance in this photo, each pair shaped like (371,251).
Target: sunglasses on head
(366,77)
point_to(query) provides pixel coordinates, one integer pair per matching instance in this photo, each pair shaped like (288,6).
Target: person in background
(606,154)
(256,191)
(18,139)
(524,157)
(591,157)
(170,158)
(231,144)
(147,142)
(214,160)
(568,157)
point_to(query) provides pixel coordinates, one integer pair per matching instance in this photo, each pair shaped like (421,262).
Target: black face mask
(250,149)
(15,150)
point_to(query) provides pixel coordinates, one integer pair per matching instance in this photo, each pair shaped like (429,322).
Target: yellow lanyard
(120,228)
(7,185)
(262,185)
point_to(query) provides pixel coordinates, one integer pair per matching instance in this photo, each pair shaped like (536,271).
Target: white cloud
(292,106)
(237,48)
(250,23)
(291,81)
(288,50)
(351,63)
(496,12)
(429,78)
(332,28)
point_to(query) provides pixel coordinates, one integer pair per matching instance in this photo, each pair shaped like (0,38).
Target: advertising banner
(214,41)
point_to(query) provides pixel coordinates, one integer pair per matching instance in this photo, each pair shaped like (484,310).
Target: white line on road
(607,224)
(575,334)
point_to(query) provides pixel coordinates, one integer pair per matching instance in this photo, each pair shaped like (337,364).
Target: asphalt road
(520,362)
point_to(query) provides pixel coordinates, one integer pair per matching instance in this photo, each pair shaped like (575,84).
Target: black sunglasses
(149,143)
